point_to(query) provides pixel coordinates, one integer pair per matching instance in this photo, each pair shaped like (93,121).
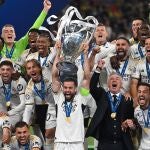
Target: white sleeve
(57,96)
(92,106)
(105,52)
(27,113)
(29,104)
(133,51)
(108,66)
(136,71)
(21,86)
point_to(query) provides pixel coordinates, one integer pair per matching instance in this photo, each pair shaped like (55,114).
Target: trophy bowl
(72,32)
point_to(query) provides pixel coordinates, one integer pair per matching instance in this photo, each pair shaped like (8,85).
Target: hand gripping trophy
(72,33)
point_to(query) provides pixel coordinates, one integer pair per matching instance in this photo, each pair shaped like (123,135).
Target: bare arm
(95,51)
(47,5)
(6,136)
(86,66)
(133,88)
(55,73)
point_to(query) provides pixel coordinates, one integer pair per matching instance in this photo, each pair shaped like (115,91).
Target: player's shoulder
(32,56)
(137,109)
(134,46)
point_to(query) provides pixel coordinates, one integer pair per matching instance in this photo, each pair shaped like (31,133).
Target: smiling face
(114,83)
(22,134)
(8,34)
(69,90)
(33,70)
(100,35)
(32,39)
(6,73)
(143,95)
(122,47)
(135,26)
(143,32)
(43,44)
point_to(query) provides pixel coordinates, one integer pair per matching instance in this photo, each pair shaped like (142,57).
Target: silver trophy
(73,30)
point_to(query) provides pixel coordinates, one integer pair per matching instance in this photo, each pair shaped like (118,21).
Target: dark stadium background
(116,14)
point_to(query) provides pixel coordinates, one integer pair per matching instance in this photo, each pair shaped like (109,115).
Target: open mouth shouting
(142,100)
(34,76)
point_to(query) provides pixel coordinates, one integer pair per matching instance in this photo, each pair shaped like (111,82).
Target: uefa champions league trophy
(72,33)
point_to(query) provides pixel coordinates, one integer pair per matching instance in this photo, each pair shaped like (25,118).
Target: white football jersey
(72,129)
(105,51)
(140,72)
(32,98)
(46,62)
(140,114)
(137,51)
(23,57)
(127,73)
(17,97)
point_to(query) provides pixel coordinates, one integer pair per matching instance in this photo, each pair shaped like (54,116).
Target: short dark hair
(143,84)
(123,38)
(21,124)
(34,30)
(6,63)
(139,18)
(100,24)
(70,79)
(46,34)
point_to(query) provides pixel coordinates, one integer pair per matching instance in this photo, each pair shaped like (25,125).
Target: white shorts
(69,146)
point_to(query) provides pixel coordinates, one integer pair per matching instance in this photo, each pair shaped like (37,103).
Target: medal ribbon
(124,68)
(140,50)
(148,69)
(40,93)
(7,92)
(9,54)
(26,146)
(114,106)
(45,60)
(146,121)
(68,108)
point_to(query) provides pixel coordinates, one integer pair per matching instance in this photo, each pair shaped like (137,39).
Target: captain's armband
(84,91)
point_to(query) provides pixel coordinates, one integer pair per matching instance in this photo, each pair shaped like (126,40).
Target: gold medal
(113,115)
(68,119)
(8,104)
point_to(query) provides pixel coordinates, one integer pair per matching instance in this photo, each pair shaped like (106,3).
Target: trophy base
(67,70)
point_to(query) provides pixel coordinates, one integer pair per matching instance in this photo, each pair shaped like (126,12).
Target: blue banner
(22,13)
